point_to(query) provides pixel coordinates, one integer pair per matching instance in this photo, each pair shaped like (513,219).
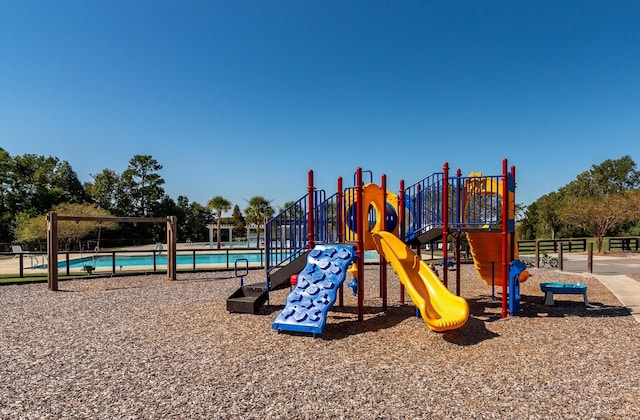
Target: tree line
(32,185)
(602,201)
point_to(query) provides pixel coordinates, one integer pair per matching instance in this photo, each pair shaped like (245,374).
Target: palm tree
(218,205)
(258,211)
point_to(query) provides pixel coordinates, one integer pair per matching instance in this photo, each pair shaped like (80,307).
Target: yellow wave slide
(441,310)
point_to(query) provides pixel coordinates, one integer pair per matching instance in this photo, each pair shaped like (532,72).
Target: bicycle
(546,259)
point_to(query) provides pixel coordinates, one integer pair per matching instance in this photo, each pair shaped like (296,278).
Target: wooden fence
(553,245)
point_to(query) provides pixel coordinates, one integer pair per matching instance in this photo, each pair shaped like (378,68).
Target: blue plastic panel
(316,289)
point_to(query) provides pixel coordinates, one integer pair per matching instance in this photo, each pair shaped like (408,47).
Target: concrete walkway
(626,289)
(612,271)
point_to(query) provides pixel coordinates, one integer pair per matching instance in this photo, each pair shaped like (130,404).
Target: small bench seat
(550,289)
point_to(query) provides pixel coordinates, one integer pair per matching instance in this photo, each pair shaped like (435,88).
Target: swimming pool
(147,260)
(191,259)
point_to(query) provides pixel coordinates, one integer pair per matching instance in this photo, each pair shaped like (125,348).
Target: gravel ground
(145,347)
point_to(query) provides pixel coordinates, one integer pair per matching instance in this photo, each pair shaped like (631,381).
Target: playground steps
(426,237)
(248,299)
(280,279)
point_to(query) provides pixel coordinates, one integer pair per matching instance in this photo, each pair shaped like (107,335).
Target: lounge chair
(17,250)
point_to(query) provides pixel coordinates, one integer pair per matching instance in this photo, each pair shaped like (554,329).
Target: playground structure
(369,217)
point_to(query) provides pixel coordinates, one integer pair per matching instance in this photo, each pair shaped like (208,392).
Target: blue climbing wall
(315,292)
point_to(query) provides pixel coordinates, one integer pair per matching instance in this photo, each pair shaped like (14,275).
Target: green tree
(6,213)
(548,207)
(633,200)
(526,226)
(140,194)
(143,184)
(258,211)
(32,230)
(65,179)
(596,216)
(218,205)
(634,204)
(609,177)
(32,186)
(238,222)
(104,189)
(597,201)
(192,219)
(165,207)
(285,206)
(294,210)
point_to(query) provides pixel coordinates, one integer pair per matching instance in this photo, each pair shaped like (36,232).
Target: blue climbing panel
(315,292)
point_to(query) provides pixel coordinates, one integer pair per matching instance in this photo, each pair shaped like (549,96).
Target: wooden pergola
(52,240)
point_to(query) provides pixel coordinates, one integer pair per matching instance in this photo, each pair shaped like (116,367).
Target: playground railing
(326,221)
(423,206)
(475,202)
(287,234)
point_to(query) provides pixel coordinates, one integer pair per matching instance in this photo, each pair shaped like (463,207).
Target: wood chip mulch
(145,347)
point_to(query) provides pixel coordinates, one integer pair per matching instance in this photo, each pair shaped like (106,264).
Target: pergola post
(172,225)
(52,251)
(210,227)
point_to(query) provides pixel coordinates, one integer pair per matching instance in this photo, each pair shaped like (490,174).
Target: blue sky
(241,98)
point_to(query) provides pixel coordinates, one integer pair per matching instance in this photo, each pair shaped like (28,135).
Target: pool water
(146,260)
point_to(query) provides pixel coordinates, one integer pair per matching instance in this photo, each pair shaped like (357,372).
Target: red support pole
(445,223)
(401,210)
(360,221)
(340,210)
(340,222)
(383,261)
(459,222)
(402,230)
(311,221)
(505,233)
(458,243)
(513,234)
(459,198)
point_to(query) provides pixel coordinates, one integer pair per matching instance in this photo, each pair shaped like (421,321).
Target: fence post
(560,257)
(590,257)
(537,253)
(21,265)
